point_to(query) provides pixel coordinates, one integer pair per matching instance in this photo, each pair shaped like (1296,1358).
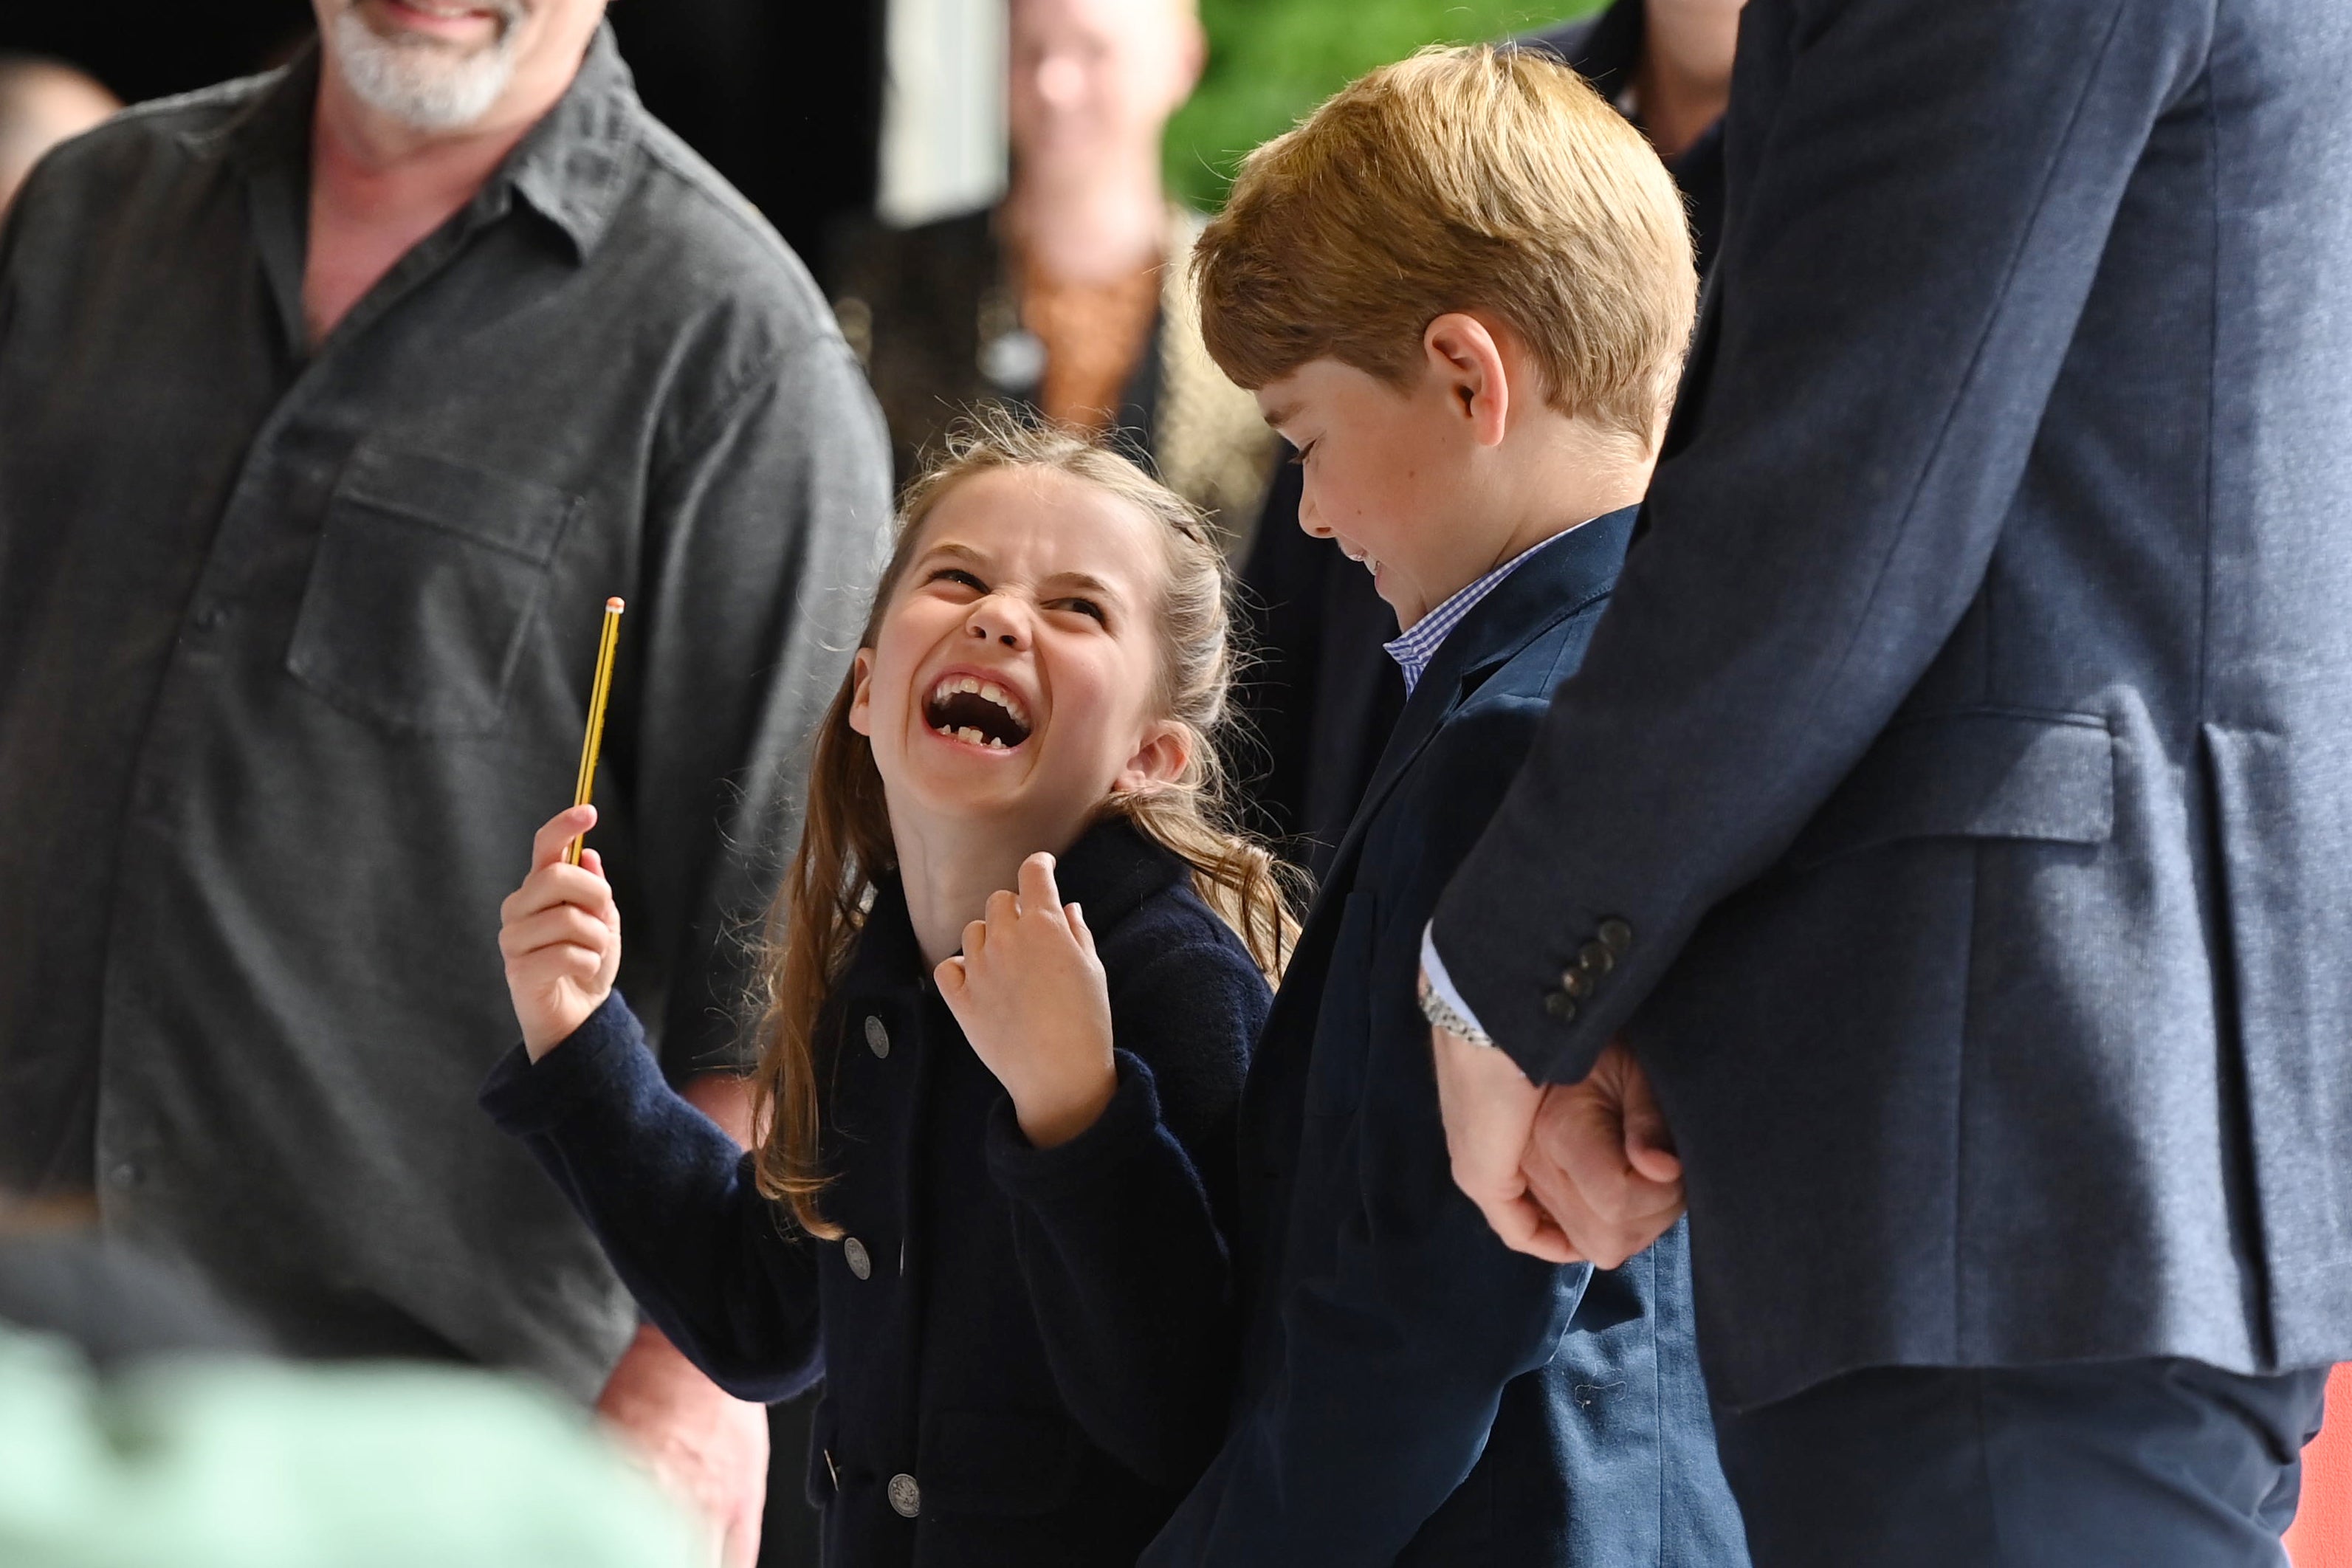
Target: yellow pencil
(594,742)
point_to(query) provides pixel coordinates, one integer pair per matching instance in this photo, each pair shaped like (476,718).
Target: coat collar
(1560,579)
(1110,870)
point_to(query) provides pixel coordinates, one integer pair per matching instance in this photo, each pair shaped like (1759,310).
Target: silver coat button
(905,1497)
(877,1038)
(860,1264)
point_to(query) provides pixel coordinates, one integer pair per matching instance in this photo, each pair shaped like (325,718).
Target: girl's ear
(861,699)
(1166,751)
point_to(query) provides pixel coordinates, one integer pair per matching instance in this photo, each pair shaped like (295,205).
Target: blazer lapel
(1562,578)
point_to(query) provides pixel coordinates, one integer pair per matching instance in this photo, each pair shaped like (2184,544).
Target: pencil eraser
(615,605)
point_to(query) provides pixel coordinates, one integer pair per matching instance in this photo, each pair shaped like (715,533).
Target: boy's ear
(1161,759)
(861,697)
(1462,353)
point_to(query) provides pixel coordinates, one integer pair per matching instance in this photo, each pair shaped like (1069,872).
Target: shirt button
(860,1263)
(1616,936)
(125,1175)
(905,1497)
(213,616)
(877,1038)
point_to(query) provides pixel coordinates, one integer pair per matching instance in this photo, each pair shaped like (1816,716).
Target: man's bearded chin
(425,83)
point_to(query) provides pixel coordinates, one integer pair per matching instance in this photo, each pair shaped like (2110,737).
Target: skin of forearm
(725,1099)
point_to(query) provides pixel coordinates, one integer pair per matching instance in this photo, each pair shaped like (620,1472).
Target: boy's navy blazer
(1026,1352)
(1413,1391)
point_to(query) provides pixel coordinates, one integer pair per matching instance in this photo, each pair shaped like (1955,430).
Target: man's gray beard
(421,83)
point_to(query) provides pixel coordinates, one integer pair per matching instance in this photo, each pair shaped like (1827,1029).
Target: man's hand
(709,1449)
(1602,1161)
(1490,1111)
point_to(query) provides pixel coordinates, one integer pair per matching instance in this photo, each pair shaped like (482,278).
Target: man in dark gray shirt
(333,403)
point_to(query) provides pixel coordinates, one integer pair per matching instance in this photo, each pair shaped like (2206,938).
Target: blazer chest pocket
(1971,773)
(426,579)
(1343,1022)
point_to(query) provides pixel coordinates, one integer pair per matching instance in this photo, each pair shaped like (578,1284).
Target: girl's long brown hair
(846,834)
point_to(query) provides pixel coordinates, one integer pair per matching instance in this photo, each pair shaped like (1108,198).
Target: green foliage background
(1270,61)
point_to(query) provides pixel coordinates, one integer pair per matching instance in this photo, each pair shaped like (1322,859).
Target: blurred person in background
(1071,297)
(142,1422)
(336,401)
(1324,696)
(42,103)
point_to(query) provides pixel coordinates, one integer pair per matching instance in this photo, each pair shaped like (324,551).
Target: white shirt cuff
(1440,982)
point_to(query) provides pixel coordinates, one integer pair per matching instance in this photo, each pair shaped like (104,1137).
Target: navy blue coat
(1967,748)
(1414,1392)
(1026,1353)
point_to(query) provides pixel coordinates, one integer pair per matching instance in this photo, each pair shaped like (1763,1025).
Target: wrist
(1055,1114)
(1442,1015)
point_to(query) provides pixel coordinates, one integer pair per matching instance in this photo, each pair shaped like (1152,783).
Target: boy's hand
(561,936)
(1029,993)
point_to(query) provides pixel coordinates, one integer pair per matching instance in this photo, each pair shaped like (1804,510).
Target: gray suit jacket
(1955,809)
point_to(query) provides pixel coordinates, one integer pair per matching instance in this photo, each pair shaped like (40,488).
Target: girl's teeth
(995,693)
(970,734)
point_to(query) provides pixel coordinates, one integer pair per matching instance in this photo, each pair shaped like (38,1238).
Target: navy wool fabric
(2126,1464)
(1414,1392)
(1026,1353)
(1967,747)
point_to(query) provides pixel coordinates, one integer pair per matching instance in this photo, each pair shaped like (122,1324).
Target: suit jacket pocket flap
(1972,772)
(998,1462)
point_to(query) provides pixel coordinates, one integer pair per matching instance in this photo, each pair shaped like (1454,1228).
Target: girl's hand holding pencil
(560,935)
(1030,995)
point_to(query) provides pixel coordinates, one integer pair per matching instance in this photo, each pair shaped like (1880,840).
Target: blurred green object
(230,1462)
(1271,61)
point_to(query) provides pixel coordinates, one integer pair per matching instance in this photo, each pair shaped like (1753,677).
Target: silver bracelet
(1433,1009)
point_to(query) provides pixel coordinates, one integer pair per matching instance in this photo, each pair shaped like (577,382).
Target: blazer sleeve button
(1616,936)
(1559,1006)
(1595,960)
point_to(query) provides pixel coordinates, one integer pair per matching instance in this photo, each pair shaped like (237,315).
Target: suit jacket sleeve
(717,1268)
(1927,196)
(1393,1360)
(1121,1232)
(768,512)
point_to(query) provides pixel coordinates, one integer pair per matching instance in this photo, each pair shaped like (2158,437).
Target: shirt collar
(1414,649)
(571,167)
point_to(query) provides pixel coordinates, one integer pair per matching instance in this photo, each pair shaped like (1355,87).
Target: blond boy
(1463,290)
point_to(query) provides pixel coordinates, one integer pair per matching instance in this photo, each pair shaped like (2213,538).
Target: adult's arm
(766,516)
(1116,1233)
(704,1444)
(1927,198)
(1393,1357)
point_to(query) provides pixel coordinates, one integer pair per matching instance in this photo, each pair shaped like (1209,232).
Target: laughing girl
(990,1215)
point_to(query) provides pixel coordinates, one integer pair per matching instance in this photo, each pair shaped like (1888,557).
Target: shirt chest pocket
(425,581)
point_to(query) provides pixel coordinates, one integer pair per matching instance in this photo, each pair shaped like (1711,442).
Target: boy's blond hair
(1490,180)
